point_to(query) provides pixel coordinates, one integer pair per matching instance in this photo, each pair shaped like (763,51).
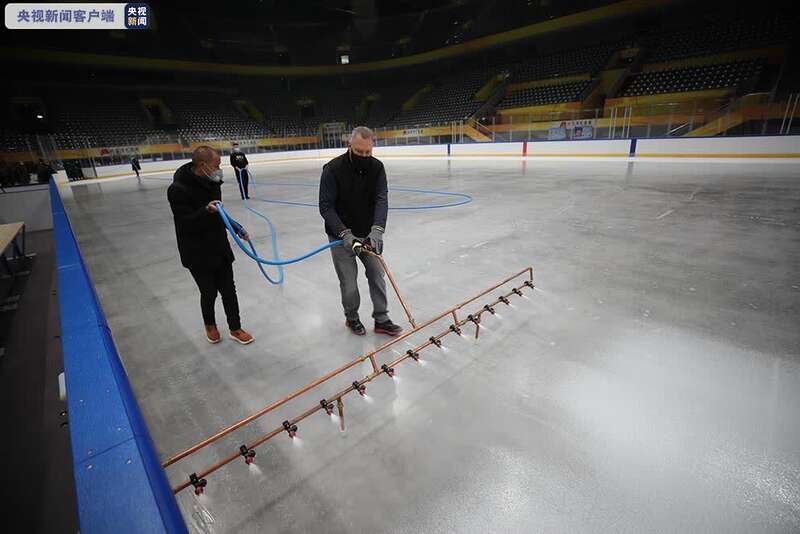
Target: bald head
(205,160)
(204,154)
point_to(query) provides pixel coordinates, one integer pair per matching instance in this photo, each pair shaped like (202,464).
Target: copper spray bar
(370,355)
(338,397)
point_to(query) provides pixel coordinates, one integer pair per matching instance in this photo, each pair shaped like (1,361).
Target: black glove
(375,239)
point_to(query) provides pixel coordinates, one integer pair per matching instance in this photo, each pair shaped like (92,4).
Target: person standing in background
(135,165)
(239,164)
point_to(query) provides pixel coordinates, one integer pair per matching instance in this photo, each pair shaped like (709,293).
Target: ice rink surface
(650,383)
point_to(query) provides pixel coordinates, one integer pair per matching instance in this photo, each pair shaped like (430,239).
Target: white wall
(720,147)
(29,204)
(410,151)
(486,149)
(714,147)
(592,148)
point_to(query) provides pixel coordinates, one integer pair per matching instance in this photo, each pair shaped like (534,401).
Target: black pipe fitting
(413,355)
(327,406)
(517,291)
(361,388)
(489,309)
(198,483)
(388,370)
(529,284)
(290,429)
(472,318)
(454,328)
(247,454)
(504,300)
(437,342)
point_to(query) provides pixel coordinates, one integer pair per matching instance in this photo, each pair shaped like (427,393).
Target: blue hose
(252,253)
(277,261)
(273,233)
(465,198)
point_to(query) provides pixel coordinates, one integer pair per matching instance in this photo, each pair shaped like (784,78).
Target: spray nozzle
(198,483)
(290,429)
(361,388)
(247,454)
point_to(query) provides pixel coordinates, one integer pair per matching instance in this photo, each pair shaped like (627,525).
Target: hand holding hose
(348,239)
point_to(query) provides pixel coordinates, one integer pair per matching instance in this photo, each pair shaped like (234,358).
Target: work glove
(375,239)
(349,239)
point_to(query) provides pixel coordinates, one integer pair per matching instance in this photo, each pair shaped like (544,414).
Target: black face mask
(360,163)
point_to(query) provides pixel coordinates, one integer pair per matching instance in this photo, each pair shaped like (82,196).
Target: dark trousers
(243,177)
(211,282)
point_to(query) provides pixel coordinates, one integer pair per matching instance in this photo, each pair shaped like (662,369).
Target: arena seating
(11,141)
(714,38)
(116,117)
(204,116)
(549,94)
(108,119)
(576,61)
(451,99)
(692,78)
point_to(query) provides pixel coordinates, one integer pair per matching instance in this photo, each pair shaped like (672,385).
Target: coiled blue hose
(253,254)
(465,198)
(277,261)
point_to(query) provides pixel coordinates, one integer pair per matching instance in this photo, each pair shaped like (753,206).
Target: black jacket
(202,238)
(352,199)
(135,165)
(238,160)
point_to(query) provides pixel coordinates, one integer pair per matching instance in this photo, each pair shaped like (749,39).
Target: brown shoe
(242,337)
(212,334)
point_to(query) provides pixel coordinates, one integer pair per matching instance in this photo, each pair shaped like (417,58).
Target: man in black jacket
(202,239)
(239,164)
(353,200)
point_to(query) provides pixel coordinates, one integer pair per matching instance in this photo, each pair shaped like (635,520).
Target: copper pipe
(372,361)
(274,405)
(325,378)
(337,397)
(396,289)
(476,297)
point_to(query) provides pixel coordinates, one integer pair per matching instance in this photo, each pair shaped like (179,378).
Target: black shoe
(388,327)
(356,327)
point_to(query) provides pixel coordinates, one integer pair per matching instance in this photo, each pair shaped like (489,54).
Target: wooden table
(12,236)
